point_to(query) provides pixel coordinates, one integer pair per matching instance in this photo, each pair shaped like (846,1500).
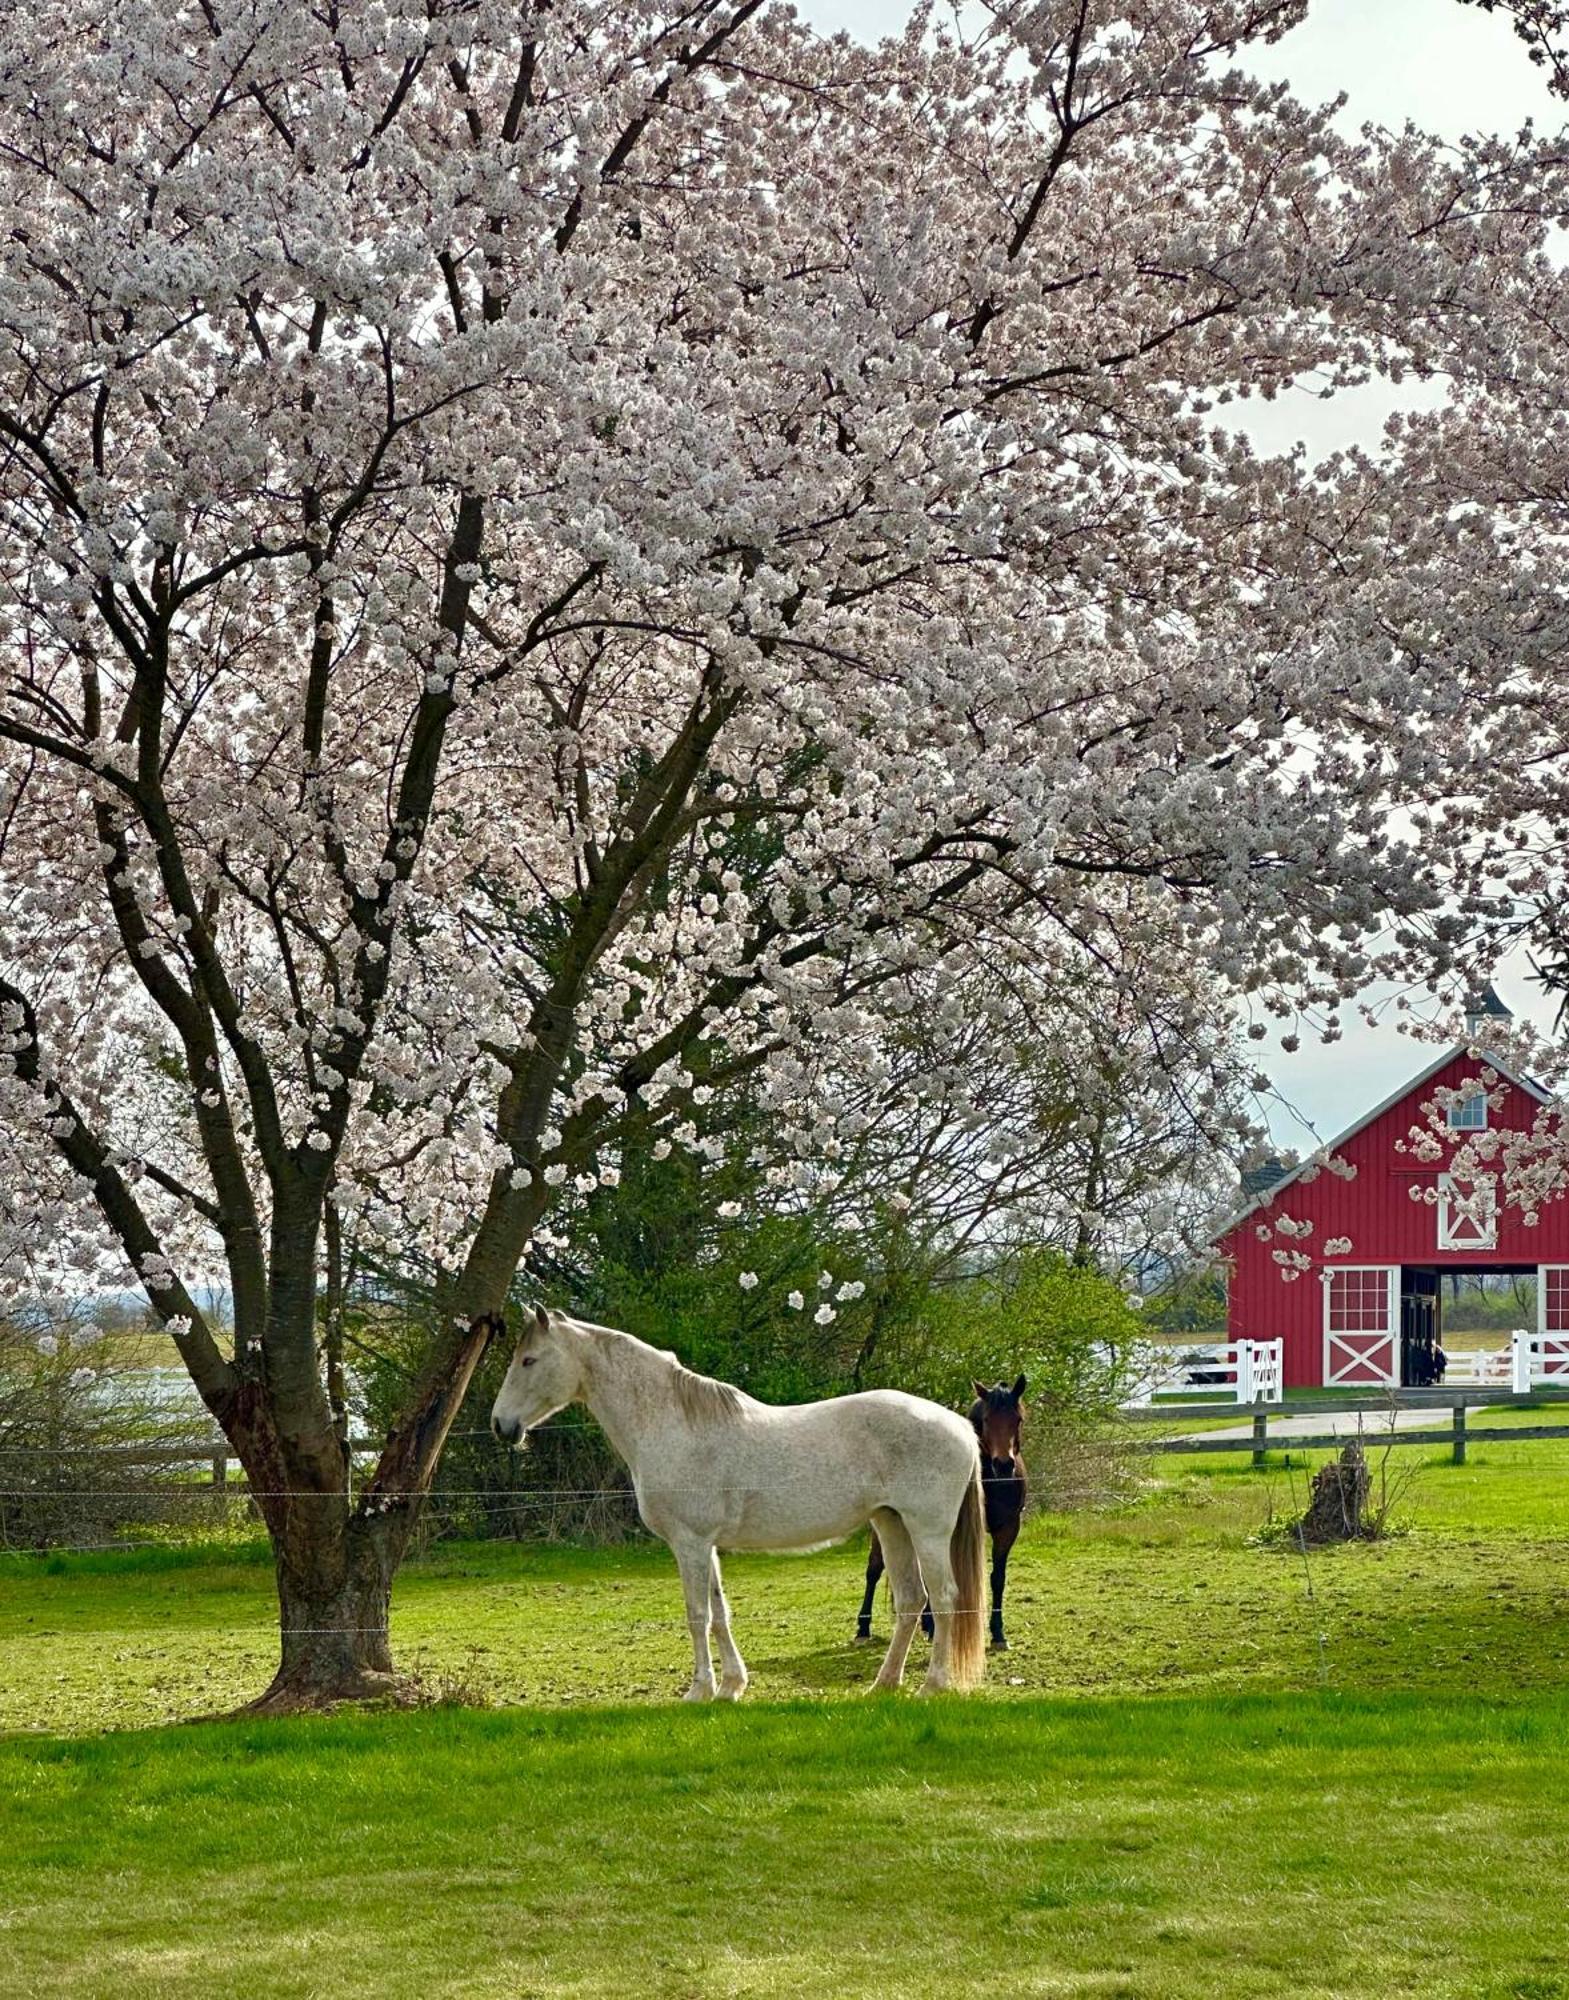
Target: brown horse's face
(998,1417)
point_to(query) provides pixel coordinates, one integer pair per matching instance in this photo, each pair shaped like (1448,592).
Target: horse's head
(544,1376)
(998,1417)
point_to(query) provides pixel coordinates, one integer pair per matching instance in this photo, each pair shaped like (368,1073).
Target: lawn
(1205,1769)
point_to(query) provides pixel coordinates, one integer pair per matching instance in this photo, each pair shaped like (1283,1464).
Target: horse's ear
(1019,1388)
(542,1319)
(980,1388)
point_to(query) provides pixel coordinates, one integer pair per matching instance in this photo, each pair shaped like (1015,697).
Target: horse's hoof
(730,1691)
(696,1693)
(935,1687)
(880,1686)
(864,1639)
(999,1643)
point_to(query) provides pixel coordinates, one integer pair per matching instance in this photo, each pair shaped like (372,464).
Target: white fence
(1540,1360)
(1484,1368)
(1242,1371)
(1530,1361)
(164,1391)
(1249,1371)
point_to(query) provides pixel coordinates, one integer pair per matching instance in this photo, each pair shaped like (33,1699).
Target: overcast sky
(1449,69)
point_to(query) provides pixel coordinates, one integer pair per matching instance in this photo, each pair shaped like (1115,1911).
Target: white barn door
(1550,1363)
(1362,1326)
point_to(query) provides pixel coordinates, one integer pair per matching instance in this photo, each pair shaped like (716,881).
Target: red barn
(1364,1314)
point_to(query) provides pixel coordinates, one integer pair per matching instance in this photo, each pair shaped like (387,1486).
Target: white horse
(713,1469)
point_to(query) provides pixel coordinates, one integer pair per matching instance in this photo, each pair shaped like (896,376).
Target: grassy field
(1206,1768)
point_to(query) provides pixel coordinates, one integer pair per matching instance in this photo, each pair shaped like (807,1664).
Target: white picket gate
(1541,1361)
(1223,1371)
(1530,1361)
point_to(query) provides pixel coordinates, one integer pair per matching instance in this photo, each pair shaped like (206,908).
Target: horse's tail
(967,1559)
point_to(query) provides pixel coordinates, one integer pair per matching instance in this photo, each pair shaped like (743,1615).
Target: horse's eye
(528,1360)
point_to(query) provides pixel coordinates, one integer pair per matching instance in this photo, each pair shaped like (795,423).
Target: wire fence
(567,1486)
(172,1487)
(174,1484)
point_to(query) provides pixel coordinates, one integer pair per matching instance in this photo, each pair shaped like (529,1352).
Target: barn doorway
(1456,1322)
(1421,1351)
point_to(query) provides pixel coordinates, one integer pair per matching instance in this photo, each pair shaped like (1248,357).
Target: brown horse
(998,1417)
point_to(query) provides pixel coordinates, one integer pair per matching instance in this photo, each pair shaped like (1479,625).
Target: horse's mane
(700,1396)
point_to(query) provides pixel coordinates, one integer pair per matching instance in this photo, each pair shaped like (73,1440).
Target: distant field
(1205,1769)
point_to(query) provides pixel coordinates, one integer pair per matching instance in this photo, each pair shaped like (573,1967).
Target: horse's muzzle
(508,1429)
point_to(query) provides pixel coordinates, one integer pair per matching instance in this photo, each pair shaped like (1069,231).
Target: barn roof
(1413,1084)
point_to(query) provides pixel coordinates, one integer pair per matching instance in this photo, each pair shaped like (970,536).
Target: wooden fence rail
(1457,1436)
(1469,1397)
(1258,1441)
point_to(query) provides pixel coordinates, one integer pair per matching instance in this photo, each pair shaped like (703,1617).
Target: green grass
(1314,1846)
(1205,1769)
(1165,1595)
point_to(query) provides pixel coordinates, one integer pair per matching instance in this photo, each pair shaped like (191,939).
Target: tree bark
(334,1566)
(334,1640)
(333,1563)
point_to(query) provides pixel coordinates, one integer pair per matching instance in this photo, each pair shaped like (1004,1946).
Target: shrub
(1068,1329)
(72,1414)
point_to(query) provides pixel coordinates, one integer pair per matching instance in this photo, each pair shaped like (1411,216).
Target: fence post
(1520,1362)
(1260,1435)
(1244,1371)
(1459,1434)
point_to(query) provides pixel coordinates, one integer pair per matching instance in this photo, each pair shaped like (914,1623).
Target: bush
(70,1412)
(1068,1329)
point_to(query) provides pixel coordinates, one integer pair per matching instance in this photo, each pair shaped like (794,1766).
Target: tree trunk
(335,1554)
(1337,1506)
(333,1562)
(335,1645)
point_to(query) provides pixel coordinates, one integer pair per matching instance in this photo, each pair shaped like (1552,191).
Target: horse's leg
(904,1576)
(695,1560)
(1007,1534)
(732,1668)
(874,1569)
(931,1550)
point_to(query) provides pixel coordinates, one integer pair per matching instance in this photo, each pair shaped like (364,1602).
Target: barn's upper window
(1469,1114)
